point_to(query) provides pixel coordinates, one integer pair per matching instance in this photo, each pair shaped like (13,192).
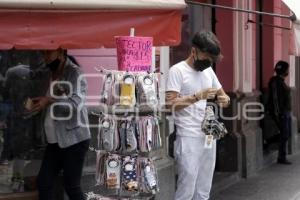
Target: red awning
(25,28)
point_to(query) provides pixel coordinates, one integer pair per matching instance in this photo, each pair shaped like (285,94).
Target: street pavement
(277,182)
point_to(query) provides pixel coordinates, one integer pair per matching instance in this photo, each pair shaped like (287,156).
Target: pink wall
(224,29)
(254,49)
(285,33)
(275,40)
(91,58)
(268,44)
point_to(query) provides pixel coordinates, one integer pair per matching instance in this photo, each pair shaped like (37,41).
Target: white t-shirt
(186,81)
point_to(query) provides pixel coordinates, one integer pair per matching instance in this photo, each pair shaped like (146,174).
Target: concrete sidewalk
(277,182)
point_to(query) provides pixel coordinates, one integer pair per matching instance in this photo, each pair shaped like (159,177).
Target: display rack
(129,131)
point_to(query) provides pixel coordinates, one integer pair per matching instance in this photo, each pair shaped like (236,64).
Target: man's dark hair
(207,42)
(281,67)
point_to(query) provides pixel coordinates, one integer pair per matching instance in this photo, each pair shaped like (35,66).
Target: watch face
(113,164)
(128,167)
(105,124)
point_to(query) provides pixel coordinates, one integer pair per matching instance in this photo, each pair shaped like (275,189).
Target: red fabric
(40,29)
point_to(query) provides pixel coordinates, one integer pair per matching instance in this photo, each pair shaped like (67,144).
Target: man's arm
(176,102)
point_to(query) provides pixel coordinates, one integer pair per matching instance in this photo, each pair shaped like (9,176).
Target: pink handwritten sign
(134,53)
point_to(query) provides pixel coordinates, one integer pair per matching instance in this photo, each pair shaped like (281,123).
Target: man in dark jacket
(279,106)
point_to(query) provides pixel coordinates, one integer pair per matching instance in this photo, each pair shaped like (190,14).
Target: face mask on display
(53,66)
(201,65)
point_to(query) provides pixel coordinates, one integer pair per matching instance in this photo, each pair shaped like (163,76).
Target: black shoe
(284,162)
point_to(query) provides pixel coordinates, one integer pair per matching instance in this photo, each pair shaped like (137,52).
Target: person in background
(190,84)
(68,135)
(279,106)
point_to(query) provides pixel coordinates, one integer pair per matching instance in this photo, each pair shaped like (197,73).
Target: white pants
(195,166)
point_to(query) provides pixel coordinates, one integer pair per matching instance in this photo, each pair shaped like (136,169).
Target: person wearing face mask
(66,125)
(190,84)
(279,106)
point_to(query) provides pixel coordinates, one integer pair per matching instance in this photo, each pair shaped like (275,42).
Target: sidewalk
(277,182)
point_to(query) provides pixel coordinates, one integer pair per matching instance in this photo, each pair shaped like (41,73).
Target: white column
(292,73)
(243,50)
(164,68)
(153,66)
(236,49)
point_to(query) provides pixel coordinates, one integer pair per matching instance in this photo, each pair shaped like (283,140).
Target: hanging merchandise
(123,139)
(148,175)
(108,136)
(131,141)
(107,90)
(118,165)
(147,90)
(129,89)
(129,173)
(149,134)
(113,167)
(129,135)
(100,167)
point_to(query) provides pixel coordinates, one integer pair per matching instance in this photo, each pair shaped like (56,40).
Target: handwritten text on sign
(134,53)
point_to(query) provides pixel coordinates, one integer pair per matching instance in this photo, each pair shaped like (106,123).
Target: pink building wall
(91,58)
(224,29)
(268,43)
(275,40)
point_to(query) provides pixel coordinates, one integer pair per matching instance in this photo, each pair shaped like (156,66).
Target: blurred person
(279,107)
(68,140)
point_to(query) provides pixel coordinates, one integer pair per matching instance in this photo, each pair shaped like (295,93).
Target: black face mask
(201,65)
(53,66)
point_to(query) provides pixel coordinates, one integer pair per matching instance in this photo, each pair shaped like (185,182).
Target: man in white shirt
(190,84)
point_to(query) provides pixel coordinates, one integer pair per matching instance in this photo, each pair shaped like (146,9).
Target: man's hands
(223,99)
(209,93)
(39,103)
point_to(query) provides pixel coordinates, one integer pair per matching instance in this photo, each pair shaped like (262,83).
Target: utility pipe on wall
(92,4)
